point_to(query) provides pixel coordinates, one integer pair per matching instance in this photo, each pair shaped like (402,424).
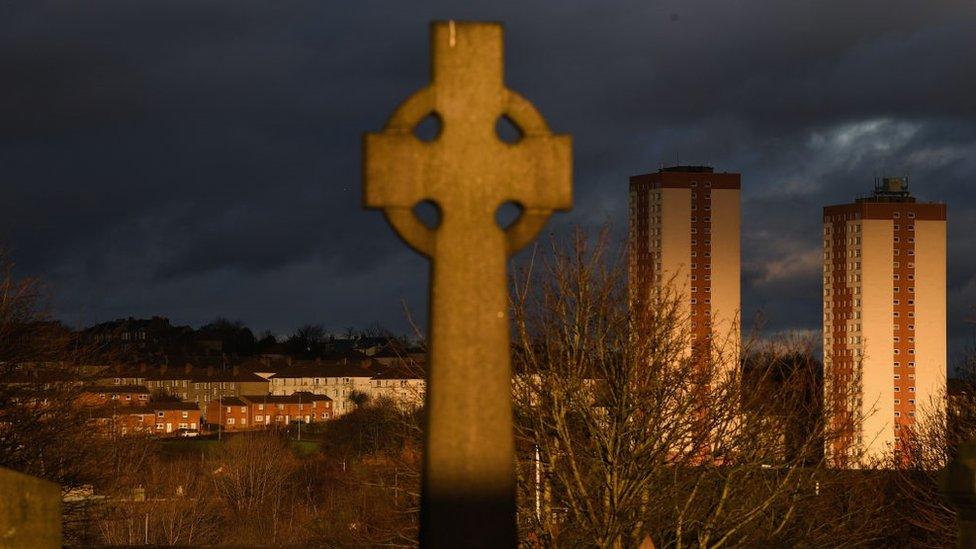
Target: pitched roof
(263,364)
(106,412)
(174,406)
(228,375)
(340,368)
(294,398)
(200,374)
(403,371)
(116,389)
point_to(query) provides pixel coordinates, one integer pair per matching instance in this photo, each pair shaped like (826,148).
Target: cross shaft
(468,492)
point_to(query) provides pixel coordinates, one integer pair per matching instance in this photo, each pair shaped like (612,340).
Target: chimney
(188,368)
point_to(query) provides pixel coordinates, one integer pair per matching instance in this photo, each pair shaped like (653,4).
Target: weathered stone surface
(30,511)
(468,172)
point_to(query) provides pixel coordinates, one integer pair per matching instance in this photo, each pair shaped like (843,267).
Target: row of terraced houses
(267,392)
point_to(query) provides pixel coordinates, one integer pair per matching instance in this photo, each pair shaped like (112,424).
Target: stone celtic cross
(468,494)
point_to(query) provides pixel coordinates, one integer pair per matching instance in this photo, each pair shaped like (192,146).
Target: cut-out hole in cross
(507,130)
(429,128)
(508,213)
(428,212)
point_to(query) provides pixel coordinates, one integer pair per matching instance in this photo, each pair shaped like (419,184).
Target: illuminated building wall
(684,231)
(884,322)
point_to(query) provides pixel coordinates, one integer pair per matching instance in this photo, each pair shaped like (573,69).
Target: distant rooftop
(116,389)
(174,406)
(889,189)
(687,169)
(294,398)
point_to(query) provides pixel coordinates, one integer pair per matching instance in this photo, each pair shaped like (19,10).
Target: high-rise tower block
(884,322)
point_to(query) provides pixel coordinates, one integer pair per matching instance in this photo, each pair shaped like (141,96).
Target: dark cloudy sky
(202,158)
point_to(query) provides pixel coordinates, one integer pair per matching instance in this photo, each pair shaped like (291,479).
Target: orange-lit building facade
(155,418)
(115,395)
(269,411)
(684,232)
(884,321)
(172,417)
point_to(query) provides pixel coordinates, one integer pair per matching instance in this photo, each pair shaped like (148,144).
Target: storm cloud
(194,159)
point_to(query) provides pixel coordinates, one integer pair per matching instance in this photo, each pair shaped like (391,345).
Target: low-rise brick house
(115,395)
(233,413)
(156,418)
(269,411)
(173,416)
(283,409)
(130,420)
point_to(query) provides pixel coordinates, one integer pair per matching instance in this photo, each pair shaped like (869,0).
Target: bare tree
(251,474)
(378,449)
(307,339)
(44,431)
(172,503)
(629,431)
(235,337)
(943,425)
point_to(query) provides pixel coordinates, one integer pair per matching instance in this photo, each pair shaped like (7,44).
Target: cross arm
(394,167)
(547,185)
(394,161)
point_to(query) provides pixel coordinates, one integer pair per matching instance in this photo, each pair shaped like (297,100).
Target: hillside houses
(338,379)
(203,385)
(404,382)
(152,378)
(170,395)
(207,380)
(115,395)
(188,382)
(269,411)
(154,418)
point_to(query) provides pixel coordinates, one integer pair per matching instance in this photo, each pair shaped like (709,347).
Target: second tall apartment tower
(884,323)
(684,233)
